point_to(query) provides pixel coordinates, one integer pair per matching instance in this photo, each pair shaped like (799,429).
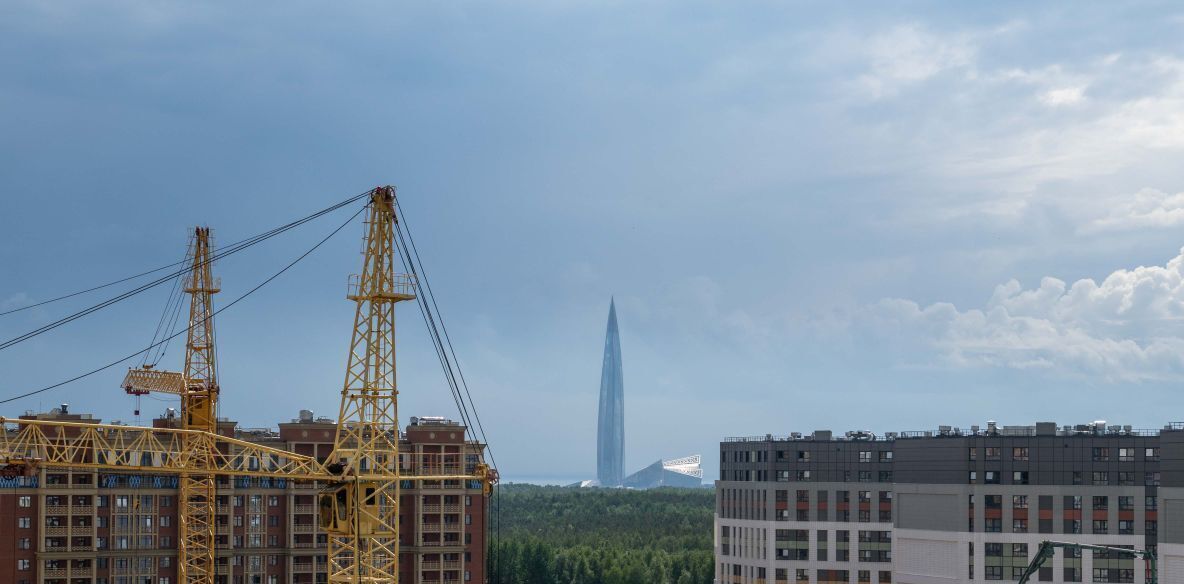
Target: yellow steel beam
(134,449)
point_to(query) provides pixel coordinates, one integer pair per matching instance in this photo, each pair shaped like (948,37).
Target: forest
(556,535)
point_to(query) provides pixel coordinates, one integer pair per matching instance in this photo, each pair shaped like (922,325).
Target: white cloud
(909,54)
(1063,96)
(1148,208)
(1129,327)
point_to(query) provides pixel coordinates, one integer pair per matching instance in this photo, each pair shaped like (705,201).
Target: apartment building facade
(87,527)
(952,506)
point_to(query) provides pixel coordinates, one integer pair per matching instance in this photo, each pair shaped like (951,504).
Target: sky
(811,215)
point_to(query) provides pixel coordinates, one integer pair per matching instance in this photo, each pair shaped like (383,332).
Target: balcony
(430,566)
(304,528)
(56,509)
(82,509)
(431,508)
(302,567)
(304,509)
(57,531)
(54,573)
(307,545)
(452,508)
(452,565)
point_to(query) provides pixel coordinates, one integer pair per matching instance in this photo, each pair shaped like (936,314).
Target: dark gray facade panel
(1171,525)
(940,512)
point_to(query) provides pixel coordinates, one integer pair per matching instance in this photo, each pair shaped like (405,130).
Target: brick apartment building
(87,527)
(952,506)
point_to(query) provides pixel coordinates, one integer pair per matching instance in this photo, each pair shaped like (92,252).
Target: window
(993,526)
(1126,503)
(1126,527)
(23,522)
(1101,526)
(1126,454)
(1101,454)
(165,520)
(1151,479)
(25,501)
(803,475)
(24,543)
(886,456)
(1126,478)
(865,456)
(1150,503)
(1019,453)
(1019,501)
(991,477)
(166,501)
(992,453)
(122,501)
(972,453)
(865,476)
(1101,503)
(165,561)
(1151,453)
(1019,526)
(973,477)
(273,501)
(993,501)
(22,564)
(1073,502)
(885,476)
(1101,477)
(1019,477)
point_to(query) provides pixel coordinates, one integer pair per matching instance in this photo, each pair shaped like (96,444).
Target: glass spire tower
(610,439)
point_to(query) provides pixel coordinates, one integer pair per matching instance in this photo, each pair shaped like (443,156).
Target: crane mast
(197,386)
(366,547)
(199,412)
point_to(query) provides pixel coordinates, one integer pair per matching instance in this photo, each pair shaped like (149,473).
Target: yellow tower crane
(359,506)
(198,388)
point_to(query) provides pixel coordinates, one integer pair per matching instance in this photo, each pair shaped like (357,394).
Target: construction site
(195,499)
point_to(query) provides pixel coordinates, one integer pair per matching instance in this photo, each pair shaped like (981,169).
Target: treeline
(554,535)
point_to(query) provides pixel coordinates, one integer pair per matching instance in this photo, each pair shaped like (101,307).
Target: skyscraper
(610,440)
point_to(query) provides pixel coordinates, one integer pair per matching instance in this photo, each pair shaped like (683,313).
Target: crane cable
(409,254)
(179,333)
(220,254)
(166,323)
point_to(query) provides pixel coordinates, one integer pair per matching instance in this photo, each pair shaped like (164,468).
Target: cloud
(1129,327)
(1063,96)
(14,301)
(909,54)
(1148,208)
